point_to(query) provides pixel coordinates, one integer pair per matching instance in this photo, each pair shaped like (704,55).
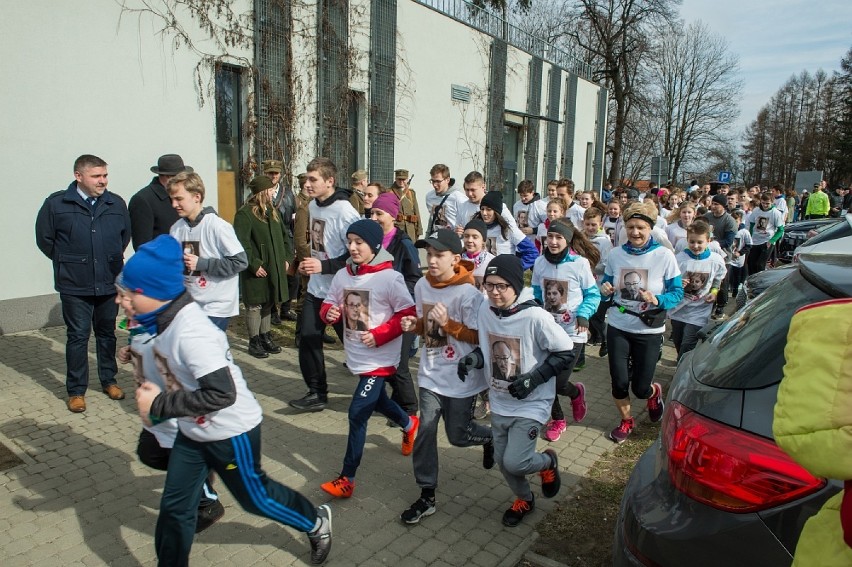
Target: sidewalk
(81,498)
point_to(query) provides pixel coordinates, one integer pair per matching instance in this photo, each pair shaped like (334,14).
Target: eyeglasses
(436,181)
(501,287)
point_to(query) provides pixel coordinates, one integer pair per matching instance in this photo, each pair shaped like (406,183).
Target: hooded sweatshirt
(384,301)
(515,341)
(444,346)
(214,284)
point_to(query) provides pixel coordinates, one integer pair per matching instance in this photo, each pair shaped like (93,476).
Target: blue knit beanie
(369,231)
(155,270)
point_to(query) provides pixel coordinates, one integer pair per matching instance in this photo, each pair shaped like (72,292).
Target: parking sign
(725,176)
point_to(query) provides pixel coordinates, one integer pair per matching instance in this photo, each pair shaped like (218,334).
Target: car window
(833,232)
(747,351)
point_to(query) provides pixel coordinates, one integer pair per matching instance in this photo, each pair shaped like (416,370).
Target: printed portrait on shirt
(477,281)
(762,224)
(440,217)
(555,295)
(170,380)
(317,234)
(192,247)
(356,313)
(610,232)
(505,360)
(632,282)
(433,335)
(523,219)
(695,284)
(491,245)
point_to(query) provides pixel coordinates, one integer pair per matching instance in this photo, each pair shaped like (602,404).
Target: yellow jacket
(813,418)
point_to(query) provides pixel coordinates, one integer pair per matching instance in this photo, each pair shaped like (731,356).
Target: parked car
(842,228)
(757,283)
(715,489)
(796,233)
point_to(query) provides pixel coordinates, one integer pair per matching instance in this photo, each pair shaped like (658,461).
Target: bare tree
(615,32)
(696,93)
(797,130)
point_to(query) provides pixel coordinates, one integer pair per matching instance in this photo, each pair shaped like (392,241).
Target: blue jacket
(87,248)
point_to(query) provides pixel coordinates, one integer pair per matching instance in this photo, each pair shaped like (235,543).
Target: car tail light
(728,468)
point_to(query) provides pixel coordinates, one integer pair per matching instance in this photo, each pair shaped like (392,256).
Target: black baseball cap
(442,239)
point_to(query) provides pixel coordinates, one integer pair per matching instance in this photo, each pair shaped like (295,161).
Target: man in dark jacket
(724,230)
(84,231)
(151,211)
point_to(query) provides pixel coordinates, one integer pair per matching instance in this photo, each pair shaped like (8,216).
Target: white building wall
(114,86)
(587,104)
(119,91)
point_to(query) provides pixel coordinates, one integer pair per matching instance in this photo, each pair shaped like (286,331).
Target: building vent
(460,93)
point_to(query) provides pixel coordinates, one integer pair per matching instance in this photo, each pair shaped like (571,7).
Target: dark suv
(796,233)
(715,489)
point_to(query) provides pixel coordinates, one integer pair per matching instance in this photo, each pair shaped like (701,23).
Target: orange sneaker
(409,437)
(341,487)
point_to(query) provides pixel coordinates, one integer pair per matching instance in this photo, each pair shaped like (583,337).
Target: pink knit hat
(388,202)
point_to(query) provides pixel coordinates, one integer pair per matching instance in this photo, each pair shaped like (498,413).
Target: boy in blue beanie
(371,299)
(218,417)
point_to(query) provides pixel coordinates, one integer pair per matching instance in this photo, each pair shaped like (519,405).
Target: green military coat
(267,244)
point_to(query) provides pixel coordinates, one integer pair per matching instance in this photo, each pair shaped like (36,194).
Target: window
(229,139)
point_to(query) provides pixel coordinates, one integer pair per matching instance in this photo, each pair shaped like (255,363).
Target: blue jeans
(370,395)
(82,313)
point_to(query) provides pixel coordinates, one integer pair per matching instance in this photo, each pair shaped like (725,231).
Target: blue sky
(776,39)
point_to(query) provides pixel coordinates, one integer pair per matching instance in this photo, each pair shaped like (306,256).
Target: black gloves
(524,384)
(470,362)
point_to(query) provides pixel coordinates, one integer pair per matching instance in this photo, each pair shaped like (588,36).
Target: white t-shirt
(145,370)
(327,228)
(766,224)
(612,226)
(703,275)
(538,212)
(675,233)
(447,214)
(562,288)
(741,240)
(575,214)
(212,237)
(480,262)
(467,209)
(440,353)
(514,345)
(496,244)
(190,348)
(381,294)
(634,272)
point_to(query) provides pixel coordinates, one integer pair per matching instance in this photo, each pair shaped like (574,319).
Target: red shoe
(656,405)
(409,437)
(341,487)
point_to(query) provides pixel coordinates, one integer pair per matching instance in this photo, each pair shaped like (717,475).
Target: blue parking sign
(725,176)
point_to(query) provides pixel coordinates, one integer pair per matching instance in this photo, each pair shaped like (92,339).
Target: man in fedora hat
(151,211)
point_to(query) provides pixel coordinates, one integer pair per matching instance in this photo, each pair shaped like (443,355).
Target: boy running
(444,298)
(521,349)
(218,416)
(370,299)
(703,272)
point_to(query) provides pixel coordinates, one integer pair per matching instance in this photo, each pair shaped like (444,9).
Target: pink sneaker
(554,430)
(578,404)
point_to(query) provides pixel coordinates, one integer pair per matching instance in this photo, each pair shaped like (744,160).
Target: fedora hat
(170,164)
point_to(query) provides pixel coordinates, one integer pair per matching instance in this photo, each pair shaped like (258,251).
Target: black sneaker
(310,402)
(327,339)
(275,318)
(256,348)
(603,351)
(520,508)
(321,538)
(488,455)
(550,481)
(208,515)
(420,509)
